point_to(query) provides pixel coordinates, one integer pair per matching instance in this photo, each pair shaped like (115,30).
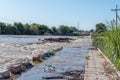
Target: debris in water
(53,77)
(4,73)
(74,75)
(49,68)
(16,69)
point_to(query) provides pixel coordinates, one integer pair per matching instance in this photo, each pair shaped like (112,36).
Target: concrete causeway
(98,68)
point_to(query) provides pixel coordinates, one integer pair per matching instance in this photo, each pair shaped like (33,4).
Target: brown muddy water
(69,64)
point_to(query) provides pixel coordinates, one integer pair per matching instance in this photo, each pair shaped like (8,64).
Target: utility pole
(116,22)
(78,25)
(116,10)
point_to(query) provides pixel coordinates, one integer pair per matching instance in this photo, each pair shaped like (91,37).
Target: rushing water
(23,39)
(69,59)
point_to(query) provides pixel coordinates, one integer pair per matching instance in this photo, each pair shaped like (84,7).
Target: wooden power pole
(116,10)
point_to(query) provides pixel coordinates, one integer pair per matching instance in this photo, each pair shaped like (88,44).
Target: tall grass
(109,43)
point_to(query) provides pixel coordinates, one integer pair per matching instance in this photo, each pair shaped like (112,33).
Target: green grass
(109,43)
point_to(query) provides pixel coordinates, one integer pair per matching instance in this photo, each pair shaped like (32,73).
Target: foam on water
(68,59)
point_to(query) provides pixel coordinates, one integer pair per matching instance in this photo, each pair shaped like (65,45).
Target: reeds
(109,43)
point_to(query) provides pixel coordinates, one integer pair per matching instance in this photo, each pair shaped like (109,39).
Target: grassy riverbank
(109,43)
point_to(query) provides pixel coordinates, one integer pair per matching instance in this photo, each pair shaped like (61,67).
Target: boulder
(16,69)
(4,73)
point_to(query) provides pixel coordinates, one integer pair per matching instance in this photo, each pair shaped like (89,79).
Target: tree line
(19,28)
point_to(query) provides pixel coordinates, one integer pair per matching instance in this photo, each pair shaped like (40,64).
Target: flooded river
(68,63)
(23,39)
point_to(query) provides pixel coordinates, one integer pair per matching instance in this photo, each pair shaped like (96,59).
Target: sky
(58,12)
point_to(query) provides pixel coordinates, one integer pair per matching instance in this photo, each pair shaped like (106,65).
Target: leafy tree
(54,31)
(64,30)
(10,29)
(100,27)
(0,30)
(20,27)
(43,29)
(72,29)
(77,34)
(2,27)
(33,30)
(91,30)
(26,27)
